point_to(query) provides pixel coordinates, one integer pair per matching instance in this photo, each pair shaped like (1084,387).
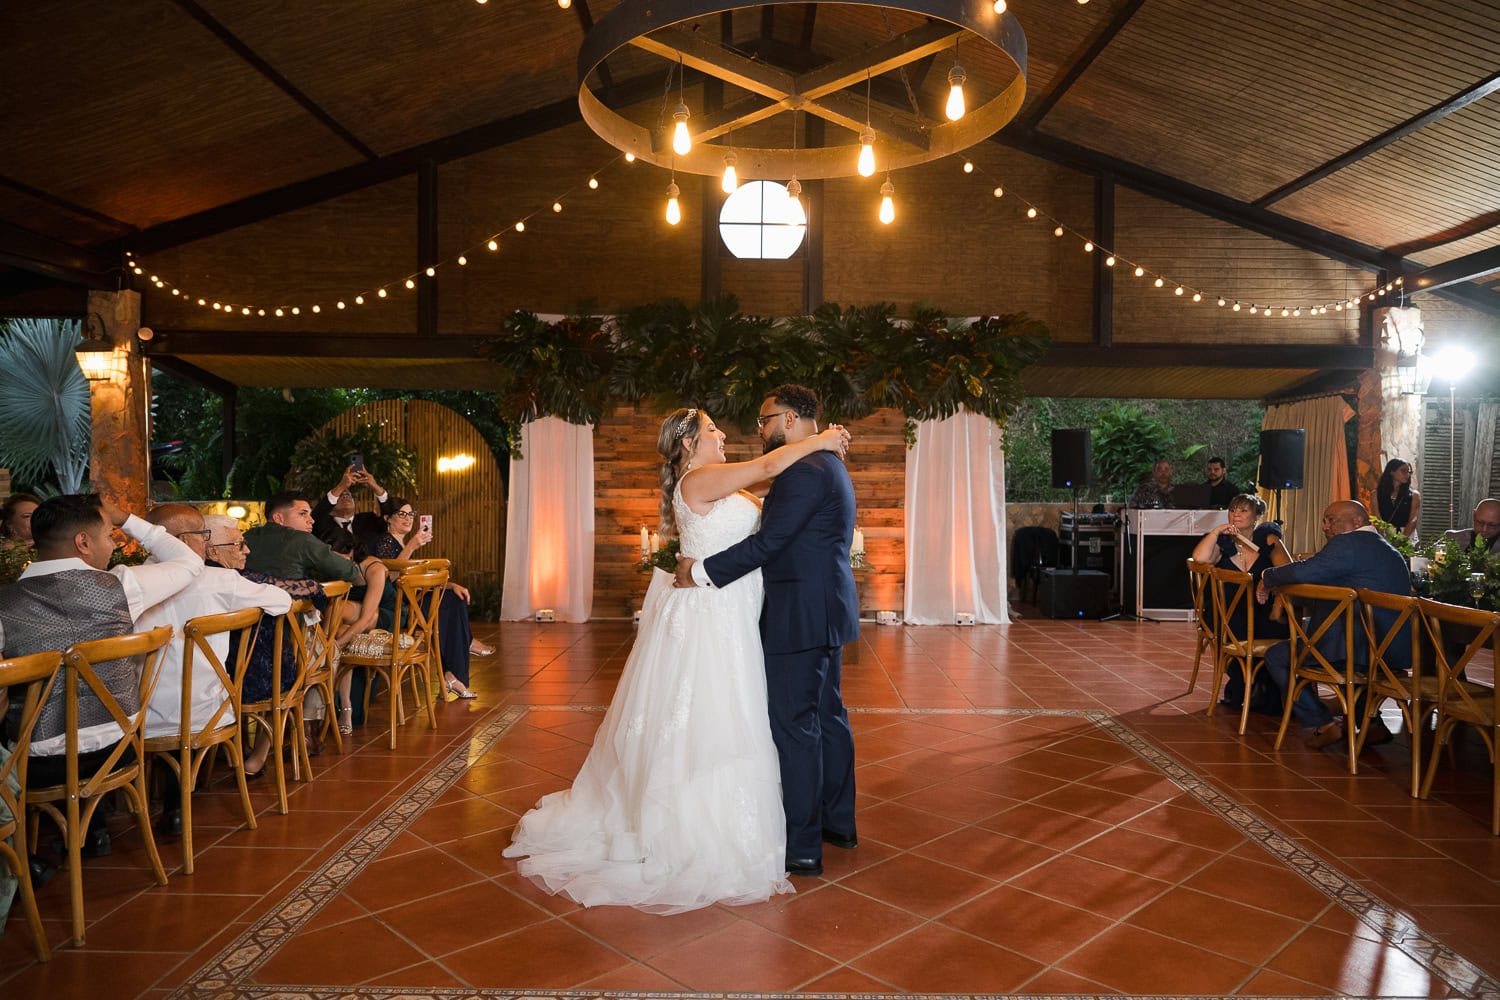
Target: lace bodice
(728,521)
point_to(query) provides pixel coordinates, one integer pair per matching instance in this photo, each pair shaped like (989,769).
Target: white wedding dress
(679,802)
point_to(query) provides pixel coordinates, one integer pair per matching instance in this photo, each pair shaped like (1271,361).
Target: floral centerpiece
(664,558)
(1465,577)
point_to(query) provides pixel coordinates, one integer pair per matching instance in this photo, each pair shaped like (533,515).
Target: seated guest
(1155,491)
(1220,490)
(70,595)
(334,510)
(1357,557)
(15,516)
(284,547)
(1246,544)
(1399,505)
(455,640)
(1486,528)
(214,591)
(370,605)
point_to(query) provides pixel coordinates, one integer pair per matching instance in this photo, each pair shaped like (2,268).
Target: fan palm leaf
(44,403)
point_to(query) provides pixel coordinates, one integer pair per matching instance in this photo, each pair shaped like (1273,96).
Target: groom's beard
(774,440)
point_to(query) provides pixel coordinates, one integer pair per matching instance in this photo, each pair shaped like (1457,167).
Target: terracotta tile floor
(1043,811)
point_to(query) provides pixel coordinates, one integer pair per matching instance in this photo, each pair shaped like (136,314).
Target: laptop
(1192,496)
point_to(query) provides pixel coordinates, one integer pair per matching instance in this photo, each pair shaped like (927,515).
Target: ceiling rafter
(73,208)
(274,76)
(586,23)
(1081,65)
(1442,109)
(1462,231)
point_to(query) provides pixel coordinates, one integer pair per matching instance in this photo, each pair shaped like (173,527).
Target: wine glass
(1476,587)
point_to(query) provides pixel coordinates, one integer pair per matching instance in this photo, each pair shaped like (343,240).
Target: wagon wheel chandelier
(837,92)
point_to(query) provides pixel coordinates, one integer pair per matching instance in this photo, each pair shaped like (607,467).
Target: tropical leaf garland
(856,358)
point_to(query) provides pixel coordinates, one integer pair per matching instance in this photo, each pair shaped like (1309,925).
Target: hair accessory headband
(689,419)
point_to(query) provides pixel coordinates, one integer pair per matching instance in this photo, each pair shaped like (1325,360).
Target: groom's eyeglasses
(762,421)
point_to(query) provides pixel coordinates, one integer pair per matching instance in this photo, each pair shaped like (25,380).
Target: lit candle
(857,547)
(655,542)
(645,542)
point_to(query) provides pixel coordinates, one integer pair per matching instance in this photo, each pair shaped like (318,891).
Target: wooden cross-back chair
(318,648)
(1234,599)
(71,804)
(1311,664)
(1200,587)
(282,710)
(413,651)
(1414,690)
(186,750)
(1460,700)
(29,680)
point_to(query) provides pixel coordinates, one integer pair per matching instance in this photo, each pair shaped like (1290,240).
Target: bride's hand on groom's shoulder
(684,572)
(835,438)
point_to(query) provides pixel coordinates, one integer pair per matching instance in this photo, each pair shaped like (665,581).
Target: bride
(679,802)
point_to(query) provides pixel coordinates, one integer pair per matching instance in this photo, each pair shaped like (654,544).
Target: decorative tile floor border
(225,976)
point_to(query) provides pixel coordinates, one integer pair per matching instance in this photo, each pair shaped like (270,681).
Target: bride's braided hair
(678,437)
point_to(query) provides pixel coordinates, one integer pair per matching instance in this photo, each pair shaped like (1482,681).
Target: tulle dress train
(679,802)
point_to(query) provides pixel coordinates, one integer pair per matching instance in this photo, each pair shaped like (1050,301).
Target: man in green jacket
(285,546)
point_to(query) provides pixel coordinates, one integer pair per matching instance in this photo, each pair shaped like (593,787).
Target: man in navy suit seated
(1357,557)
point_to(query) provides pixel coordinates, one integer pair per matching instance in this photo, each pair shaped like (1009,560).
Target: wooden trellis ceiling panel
(1242,98)
(413,71)
(1437,178)
(136,111)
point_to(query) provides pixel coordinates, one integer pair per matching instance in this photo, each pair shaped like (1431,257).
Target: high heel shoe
(346,719)
(455,691)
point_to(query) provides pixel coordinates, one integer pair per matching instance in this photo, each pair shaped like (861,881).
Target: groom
(811,610)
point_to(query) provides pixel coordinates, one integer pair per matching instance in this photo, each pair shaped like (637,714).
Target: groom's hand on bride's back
(684,572)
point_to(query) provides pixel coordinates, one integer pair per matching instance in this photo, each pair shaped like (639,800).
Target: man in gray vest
(70,595)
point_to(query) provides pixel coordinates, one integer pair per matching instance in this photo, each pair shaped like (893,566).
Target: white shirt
(217,590)
(175,568)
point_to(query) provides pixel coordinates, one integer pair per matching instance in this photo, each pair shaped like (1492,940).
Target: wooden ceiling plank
(679,44)
(274,76)
(586,23)
(50,258)
(67,206)
(1080,66)
(301,194)
(1466,268)
(1463,99)
(908,47)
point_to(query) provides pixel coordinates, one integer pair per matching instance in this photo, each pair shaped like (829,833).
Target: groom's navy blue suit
(811,610)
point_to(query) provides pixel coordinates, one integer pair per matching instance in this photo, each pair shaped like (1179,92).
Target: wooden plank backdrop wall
(467,506)
(626,496)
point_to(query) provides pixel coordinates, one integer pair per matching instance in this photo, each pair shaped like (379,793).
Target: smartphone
(357,462)
(426,522)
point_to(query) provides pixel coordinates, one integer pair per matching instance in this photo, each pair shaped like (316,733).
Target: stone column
(120,460)
(1398,430)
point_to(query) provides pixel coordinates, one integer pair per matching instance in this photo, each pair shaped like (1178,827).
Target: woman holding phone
(455,640)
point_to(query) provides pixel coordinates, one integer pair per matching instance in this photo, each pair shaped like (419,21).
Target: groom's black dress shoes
(846,841)
(804,866)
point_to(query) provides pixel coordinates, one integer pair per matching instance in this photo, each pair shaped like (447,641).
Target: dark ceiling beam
(1238,213)
(1479,91)
(809,22)
(1462,231)
(273,76)
(72,208)
(42,255)
(301,194)
(1081,65)
(586,22)
(192,373)
(1467,268)
(1288,357)
(306,344)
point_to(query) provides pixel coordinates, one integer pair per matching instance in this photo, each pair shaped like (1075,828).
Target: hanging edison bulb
(681,141)
(794,195)
(955,107)
(999,6)
(867,152)
(674,212)
(887,206)
(731,180)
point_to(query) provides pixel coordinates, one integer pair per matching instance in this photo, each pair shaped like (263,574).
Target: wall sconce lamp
(455,463)
(99,360)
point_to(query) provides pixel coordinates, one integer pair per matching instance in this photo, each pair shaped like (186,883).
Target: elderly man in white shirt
(69,594)
(214,591)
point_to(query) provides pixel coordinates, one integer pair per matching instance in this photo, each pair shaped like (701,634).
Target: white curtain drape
(955,522)
(549,524)
(1474,474)
(1325,467)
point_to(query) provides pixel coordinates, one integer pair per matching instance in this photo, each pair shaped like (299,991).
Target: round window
(760,222)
